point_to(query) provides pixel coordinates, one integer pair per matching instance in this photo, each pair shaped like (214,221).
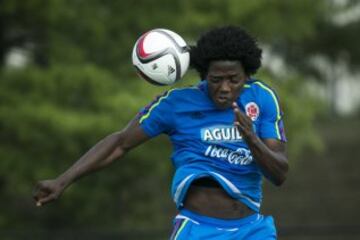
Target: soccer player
(227,133)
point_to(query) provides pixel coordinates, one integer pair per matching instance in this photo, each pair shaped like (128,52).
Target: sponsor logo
(252,110)
(221,134)
(154,66)
(240,156)
(170,70)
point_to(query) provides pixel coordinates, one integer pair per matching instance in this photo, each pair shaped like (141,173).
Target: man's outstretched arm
(113,146)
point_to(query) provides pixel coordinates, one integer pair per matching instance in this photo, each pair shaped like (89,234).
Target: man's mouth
(223,99)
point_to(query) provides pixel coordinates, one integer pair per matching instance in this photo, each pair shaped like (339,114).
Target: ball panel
(184,59)
(174,36)
(142,75)
(140,47)
(162,69)
(157,41)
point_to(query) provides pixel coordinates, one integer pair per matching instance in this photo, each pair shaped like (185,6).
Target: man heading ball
(227,133)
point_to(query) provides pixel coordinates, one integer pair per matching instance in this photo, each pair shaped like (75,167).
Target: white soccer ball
(161,56)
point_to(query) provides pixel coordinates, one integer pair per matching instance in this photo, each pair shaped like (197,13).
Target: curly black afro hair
(225,43)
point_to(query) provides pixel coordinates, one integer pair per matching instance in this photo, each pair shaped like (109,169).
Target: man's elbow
(279,181)
(281,178)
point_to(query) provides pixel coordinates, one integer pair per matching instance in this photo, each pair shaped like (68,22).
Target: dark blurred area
(66,81)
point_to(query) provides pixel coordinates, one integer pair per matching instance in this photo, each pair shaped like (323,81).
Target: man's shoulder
(182,92)
(259,87)
(174,92)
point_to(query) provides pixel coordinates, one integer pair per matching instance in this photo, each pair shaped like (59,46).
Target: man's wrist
(64,180)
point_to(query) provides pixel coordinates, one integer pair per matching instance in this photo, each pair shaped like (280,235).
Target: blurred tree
(49,117)
(80,86)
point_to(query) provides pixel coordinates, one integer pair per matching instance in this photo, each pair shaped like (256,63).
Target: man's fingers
(235,106)
(43,194)
(44,200)
(242,122)
(237,109)
(40,193)
(239,126)
(239,116)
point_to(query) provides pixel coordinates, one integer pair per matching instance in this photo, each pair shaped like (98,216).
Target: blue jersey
(207,144)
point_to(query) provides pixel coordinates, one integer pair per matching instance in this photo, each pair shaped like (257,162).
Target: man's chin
(223,105)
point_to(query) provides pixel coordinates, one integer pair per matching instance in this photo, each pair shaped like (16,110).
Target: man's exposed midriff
(206,197)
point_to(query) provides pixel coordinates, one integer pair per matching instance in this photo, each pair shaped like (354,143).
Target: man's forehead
(225,65)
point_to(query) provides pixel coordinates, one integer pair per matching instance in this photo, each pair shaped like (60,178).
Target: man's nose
(225,86)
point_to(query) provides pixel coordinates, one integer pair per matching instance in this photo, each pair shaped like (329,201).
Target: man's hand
(269,154)
(243,122)
(47,191)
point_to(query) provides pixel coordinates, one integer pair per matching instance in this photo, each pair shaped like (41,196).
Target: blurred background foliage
(77,85)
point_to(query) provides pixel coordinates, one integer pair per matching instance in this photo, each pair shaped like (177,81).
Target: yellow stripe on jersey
(278,115)
(181,228)
(154,105)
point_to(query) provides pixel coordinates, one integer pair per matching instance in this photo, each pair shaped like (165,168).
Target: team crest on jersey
(252,110)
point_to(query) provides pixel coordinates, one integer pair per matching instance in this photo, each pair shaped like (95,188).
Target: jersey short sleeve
(157,117)
(272,125)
